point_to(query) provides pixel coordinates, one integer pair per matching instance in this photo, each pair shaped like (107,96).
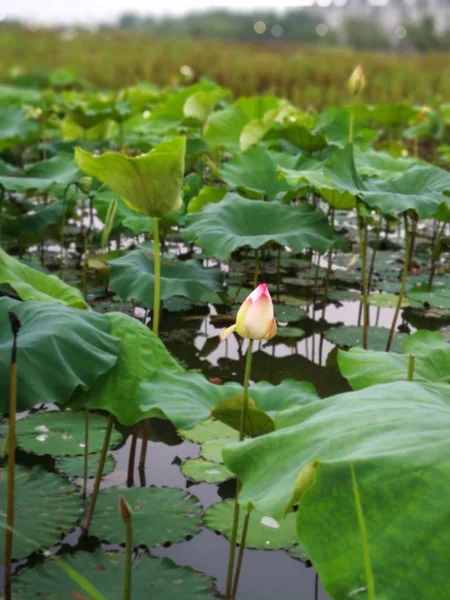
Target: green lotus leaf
(73,466)
(224,127)
(12,94)
(30,284)
(299,136)
(352,335)
(264,532)
(208,430)
(257,422)
(125,216)
(152,578)
(396,437)
(372,163)
(15,127)
(200,105)
(172,108)
(46,507)
(392,115)
(386,300)
(421,296)
(208,194)
(52,176)
(363,368)
(254,171)
(141,355)
(199,469)
(150,183)
(132,278)
(236,222)
(159,515)
(290,332)
(333,123)
(81,349)
(62,433)
(422,188)
(187,398)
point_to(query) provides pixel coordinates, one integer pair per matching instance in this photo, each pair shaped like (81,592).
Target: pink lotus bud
(255,318)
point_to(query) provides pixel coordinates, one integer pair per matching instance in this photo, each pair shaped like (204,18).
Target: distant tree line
(294,26)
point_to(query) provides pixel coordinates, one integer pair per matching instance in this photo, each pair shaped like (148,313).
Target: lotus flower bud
(356,81)
(124,508)
(85,184)
(255,318)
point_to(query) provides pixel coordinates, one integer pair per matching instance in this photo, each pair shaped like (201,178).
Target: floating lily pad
(212,449)
(209,430)
(287,314)
(199,469)
(73,466)
(422,297)
(152,578)
(62,433)
(386,300)
(264,532)
(299,553)
(46,507)
(290,332)
(351,335)
(160,515)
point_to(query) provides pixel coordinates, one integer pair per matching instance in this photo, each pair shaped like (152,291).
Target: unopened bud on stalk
(255,318)
(85,184)
(124,508)
(356,81)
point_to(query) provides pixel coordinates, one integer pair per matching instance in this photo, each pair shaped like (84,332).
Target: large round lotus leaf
(254,171)
(160,515)
(58,349)
(62,433)
(73,466)
(151,579)
(209,430)
(288,314)
(46,507)
(212,449)
(352,335)
(132,278)
(421,188)
(386,300)
(31,284)
(141,355)
(264,532)
(396,437)
(52,176)
(221,228)
(187,399)
(372,163)
(363,368)
(198,469)
(150,183)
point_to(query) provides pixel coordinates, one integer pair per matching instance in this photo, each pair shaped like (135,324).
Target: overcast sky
(85,11)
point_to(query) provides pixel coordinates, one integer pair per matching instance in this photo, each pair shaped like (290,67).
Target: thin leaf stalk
(155,327)
(376,247)
(2,200)
(411,364)
(234,529)
(370,583)
(9,535)
(401,293)
(240,557)
(326,290)
(86,452)
(363,254)
(98,477)
(128,558)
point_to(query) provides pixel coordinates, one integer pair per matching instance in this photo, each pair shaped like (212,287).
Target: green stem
(401,293)
(241,551)
(157,274)
(411,363)
(278,273)
(15,326)
(376,247)
(234,530)
(98,477)
(2,198)
(351,125)
(128,558)
(62,233)
(370,584)
(86,451)
(363,253)
(436,250)
(85,264)
(256,275)
(326,290)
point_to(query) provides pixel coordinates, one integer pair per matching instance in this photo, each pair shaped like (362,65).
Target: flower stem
(98,477)
(234,530)
(86,451)
(402,284)
(15,326)
(241,551)
(370,584)
(128,557)
(256,275)
(351,125)
(363,253)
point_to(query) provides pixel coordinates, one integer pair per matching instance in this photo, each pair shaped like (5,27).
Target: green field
(305,75)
